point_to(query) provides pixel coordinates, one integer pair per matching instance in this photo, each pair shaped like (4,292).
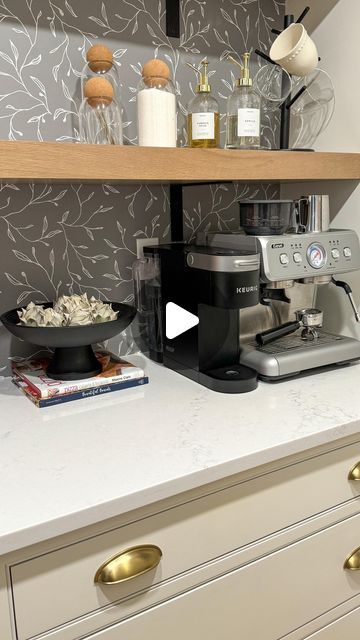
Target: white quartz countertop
(71,465)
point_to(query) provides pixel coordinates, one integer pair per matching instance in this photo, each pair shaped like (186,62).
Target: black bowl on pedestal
(73,357)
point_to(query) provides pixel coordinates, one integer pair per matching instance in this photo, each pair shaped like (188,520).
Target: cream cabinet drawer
(58,586)
(266,599)
(346,628)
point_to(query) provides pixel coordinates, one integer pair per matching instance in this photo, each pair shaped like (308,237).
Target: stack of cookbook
(30,377)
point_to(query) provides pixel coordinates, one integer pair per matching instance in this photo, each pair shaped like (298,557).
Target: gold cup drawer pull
(354,473)
(352,562)
(128,564)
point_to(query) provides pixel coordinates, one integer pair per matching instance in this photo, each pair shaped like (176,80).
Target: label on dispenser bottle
(248,123)
(203,126)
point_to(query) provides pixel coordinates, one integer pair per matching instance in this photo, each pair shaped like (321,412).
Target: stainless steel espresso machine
(293,264)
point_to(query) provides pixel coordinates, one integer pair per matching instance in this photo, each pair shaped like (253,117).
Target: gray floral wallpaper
(61,238)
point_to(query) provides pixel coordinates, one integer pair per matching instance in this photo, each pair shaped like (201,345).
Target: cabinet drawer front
(346,628)
(58,586)
(265,600)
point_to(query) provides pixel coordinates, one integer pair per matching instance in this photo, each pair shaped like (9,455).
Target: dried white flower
(80,316)
(52,318)
(68,311)
(32,315)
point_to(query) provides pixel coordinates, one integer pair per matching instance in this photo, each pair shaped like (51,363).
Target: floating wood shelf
(61,162)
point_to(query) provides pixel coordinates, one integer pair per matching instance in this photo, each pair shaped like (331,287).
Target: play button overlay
(178,320)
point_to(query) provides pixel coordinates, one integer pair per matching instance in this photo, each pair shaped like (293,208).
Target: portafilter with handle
(310,319)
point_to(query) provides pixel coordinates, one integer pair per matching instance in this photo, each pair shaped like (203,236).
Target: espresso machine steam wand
(348,291)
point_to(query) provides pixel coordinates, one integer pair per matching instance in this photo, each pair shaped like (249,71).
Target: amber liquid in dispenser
(210,127)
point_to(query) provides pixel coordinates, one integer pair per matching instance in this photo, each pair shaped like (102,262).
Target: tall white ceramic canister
(156,106)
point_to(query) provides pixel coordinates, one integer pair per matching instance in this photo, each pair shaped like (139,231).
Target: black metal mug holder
(290,100)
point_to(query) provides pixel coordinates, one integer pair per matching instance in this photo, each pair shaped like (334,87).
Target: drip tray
(294,342)
(291,355)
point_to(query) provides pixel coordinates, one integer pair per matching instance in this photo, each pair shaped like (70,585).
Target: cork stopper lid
(155,73)
(99,58)
(98,91)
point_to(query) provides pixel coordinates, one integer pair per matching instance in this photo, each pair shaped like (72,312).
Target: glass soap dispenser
(203,120)
(243,111)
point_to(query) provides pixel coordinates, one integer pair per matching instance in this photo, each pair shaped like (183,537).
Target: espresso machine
(211,284)
(292,265)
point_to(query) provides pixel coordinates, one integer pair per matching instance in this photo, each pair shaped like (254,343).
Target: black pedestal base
(73,363)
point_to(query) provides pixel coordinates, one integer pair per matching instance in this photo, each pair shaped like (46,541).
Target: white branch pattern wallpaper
(77,238)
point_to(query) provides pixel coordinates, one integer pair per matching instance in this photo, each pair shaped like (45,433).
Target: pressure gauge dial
(316,255)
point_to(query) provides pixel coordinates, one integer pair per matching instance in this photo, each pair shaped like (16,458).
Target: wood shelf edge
(27,161)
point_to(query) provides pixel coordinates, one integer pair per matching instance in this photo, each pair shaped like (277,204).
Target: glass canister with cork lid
(156,106)
(100,112)
(100,62)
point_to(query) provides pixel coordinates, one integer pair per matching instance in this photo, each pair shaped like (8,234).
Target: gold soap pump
(243,110)
(203,120)
(244,80)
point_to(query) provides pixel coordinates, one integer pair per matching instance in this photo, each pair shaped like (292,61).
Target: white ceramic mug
(295,51)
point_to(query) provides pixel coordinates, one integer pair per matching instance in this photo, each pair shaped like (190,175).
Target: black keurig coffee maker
(208,285)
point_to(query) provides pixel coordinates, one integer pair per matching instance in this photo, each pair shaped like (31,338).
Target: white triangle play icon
(178,320)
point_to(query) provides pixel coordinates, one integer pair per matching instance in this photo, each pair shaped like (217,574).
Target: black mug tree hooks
(290,100)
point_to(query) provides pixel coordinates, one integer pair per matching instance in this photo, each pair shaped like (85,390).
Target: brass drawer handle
(354,473)
(352,562)
(128,564)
